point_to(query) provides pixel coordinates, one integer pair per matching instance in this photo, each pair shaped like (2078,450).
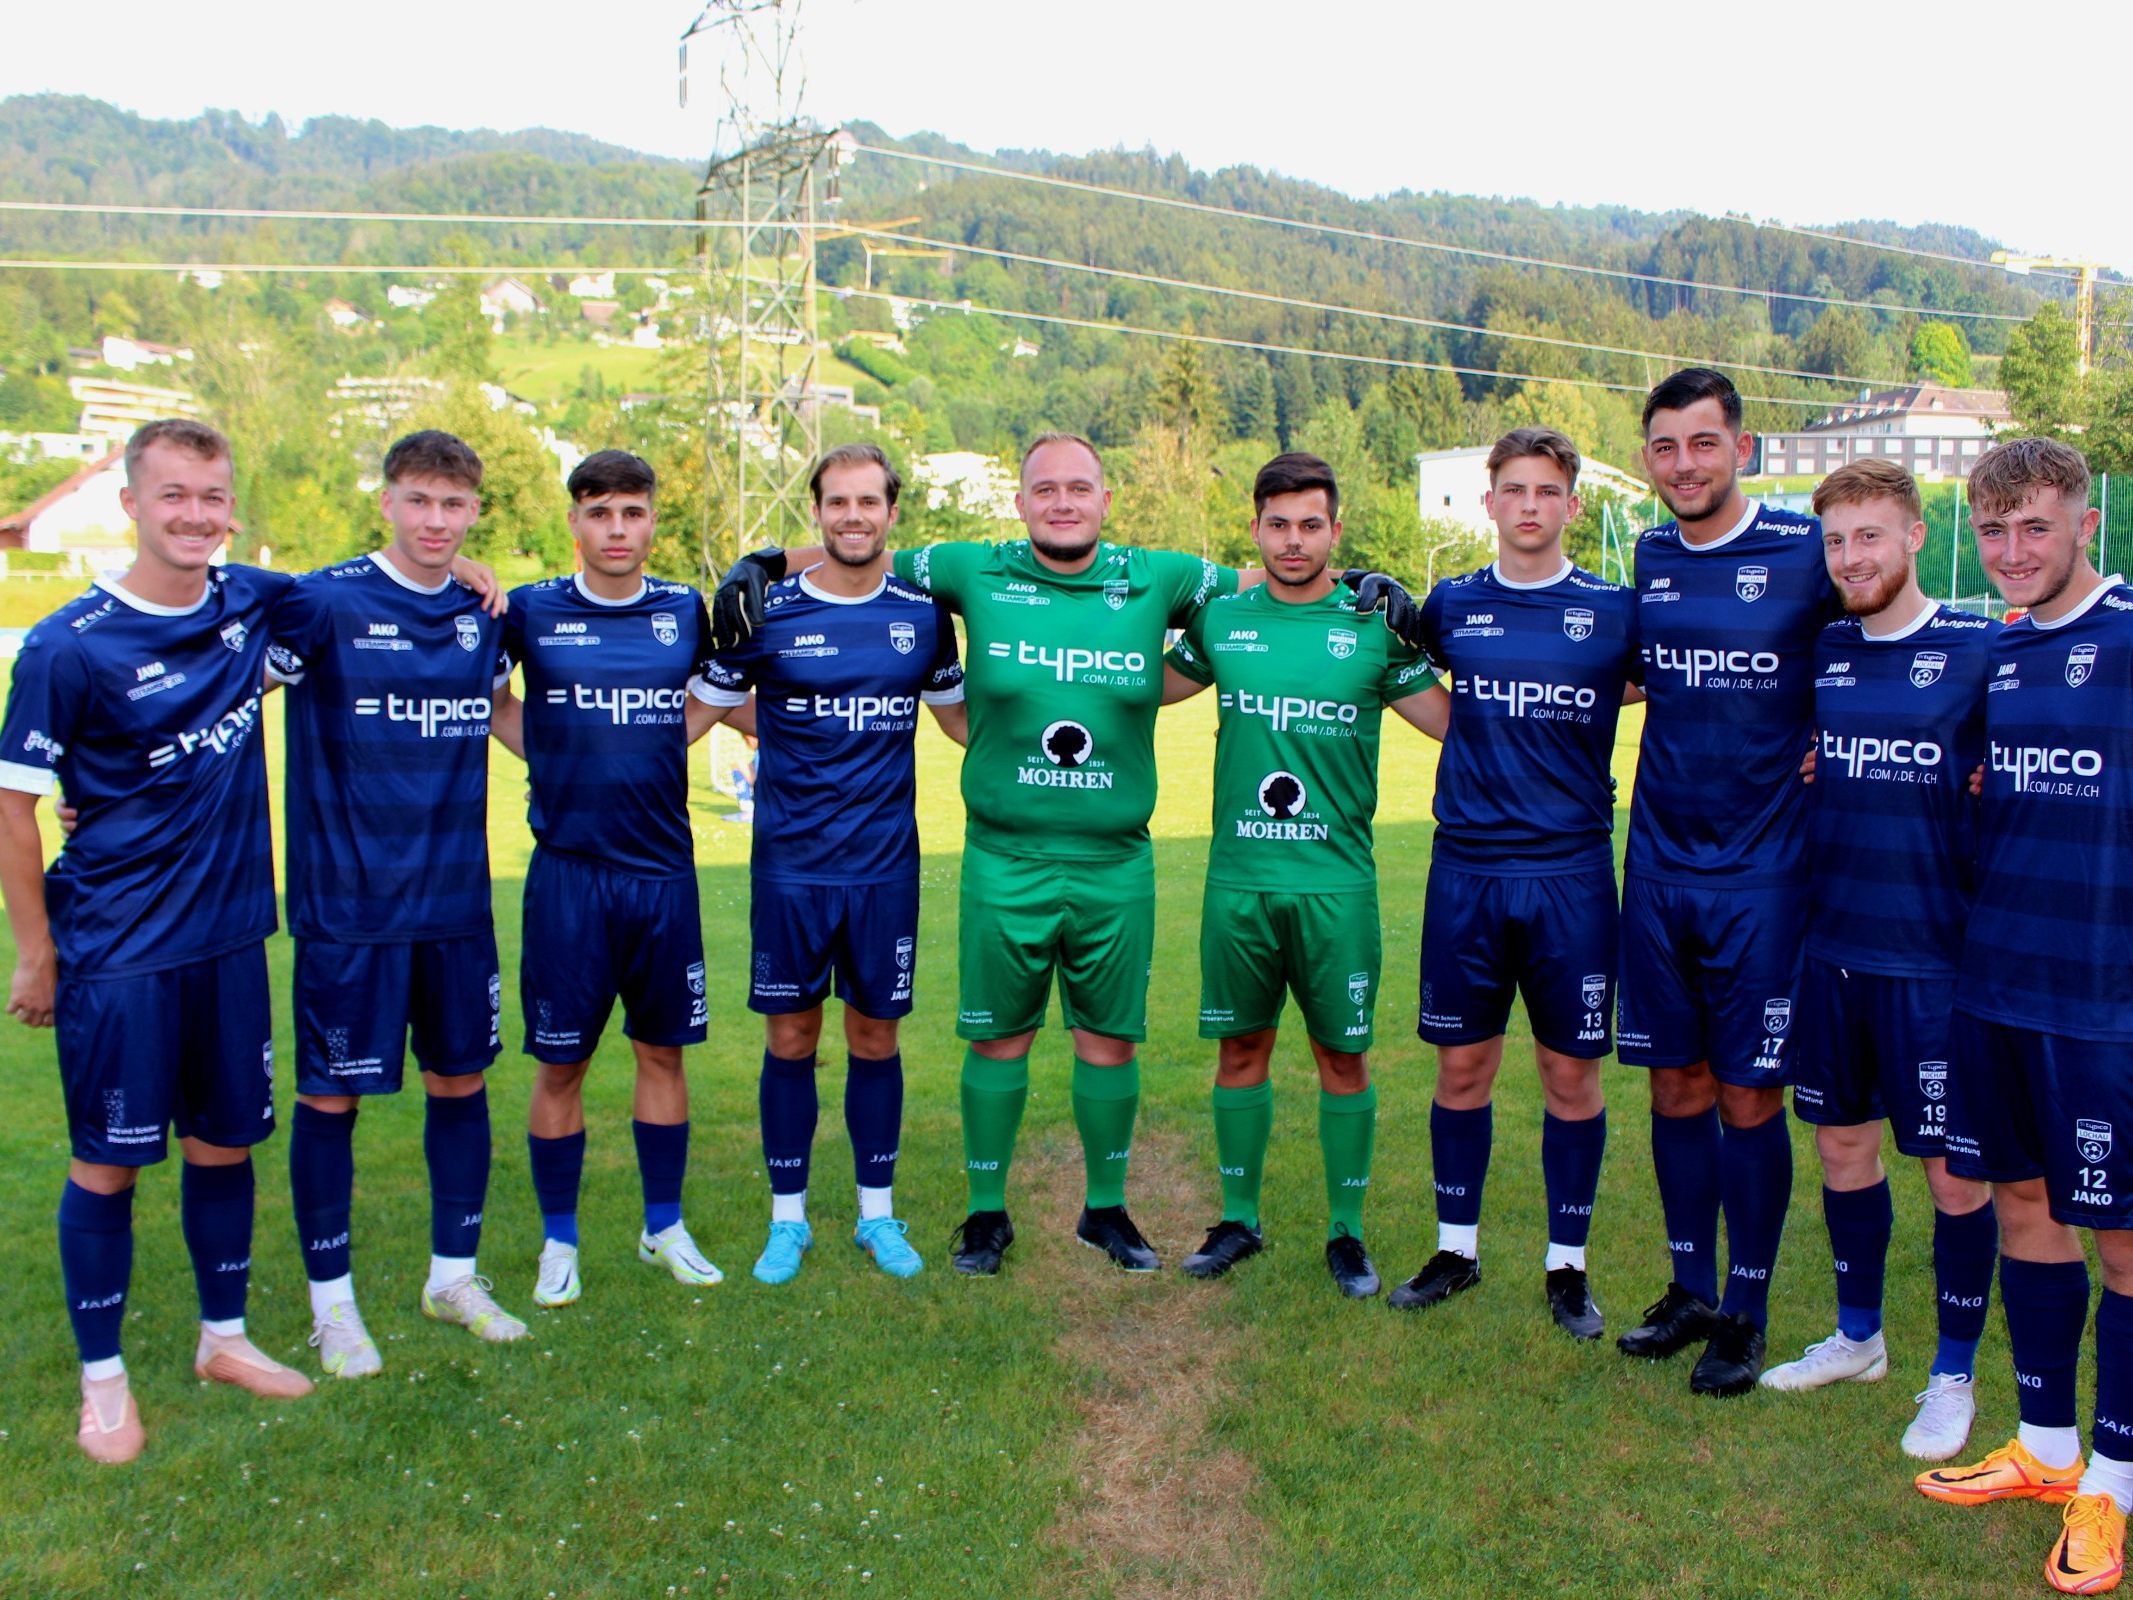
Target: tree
(522,500)
(1940,354)
(1252,411)
(1838,342)
(2041,373)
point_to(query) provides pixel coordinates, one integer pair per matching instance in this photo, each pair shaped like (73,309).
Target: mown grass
(848,1434)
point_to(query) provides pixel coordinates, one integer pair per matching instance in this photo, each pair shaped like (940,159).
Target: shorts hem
(678,1039)
(2120,1222)
(783,1010)
(553,1055)
(1236,1030)
(1577,1054)
(1446,1036)
(462,1069)
(110,1158)
(1920,1152)
(1651,1061)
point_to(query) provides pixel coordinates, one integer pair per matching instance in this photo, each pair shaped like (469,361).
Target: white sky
(1813,111)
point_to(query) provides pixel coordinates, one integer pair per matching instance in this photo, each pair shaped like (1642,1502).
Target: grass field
(543,372)
(1060,1431)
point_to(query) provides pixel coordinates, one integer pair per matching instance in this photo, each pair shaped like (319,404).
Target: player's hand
(1977,779)
(737,606)
(1374,591)
(481,578)
(68,817)
(29,996)
(1807,766)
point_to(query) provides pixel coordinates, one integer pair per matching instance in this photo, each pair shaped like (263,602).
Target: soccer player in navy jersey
(2044,1006)
(614,664)
(394,665)
(145,942)
(1900,726)
(845,653)
(1521,896)
(1731,596)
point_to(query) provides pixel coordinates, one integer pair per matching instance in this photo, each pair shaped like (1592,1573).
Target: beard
(1712,498)
(1063,551)
(1873,601)
(1305,581)
(834,552)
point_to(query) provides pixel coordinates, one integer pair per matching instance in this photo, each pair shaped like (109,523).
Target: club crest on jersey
(903,637)
(468,632)
(1933,1079)
(1115,593)
(2092,1138)
(233,635)
(1751,583)
(1067,744)
(696,977)
(904,950)
(2080,663)
(1926,668)
(1577,622)
(496,991)
(1340,643)
(1777,1016)
(1281,795)
(664,628)
(1593,991)
(1358,987)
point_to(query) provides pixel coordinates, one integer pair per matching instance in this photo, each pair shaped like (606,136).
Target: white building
(976,482)
(343,315)
(130,355)
(407,297)
(508,297)
(53,446)
(593,286)
(1449,485)
(1926,428)
(82,517)
(112,408)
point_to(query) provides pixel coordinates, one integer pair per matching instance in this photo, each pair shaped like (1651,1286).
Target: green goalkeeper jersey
(1300,691)
(1063,674)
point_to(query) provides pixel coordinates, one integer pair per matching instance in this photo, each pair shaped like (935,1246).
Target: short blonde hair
(1870,479)
(2009,473)
(181,433)
(1044,439)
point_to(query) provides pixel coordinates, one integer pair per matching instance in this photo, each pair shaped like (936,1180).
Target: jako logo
(1699,664)
(1855,755)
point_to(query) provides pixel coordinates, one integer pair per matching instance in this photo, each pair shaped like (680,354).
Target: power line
(269,214)
(1265,298)
(520,269)
(1877,244)
(1398,362)
(1337,231)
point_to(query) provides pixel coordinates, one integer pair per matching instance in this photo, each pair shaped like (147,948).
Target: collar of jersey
(590,597)
(1931,611)
(808,588)
(126,597)
(1747,521)
(2079,611)
(403,580)
(1568,567)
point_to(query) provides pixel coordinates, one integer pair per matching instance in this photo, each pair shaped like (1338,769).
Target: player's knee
(1570,1085)
(1953,1196)
(456,1086)
(1466,1074)
(1683,1091)
(1342,1073)
(869,1038)
(2114,1249)
(1851,1156)
(1101,1050)
(99,1178)
(2028,1231)
(332,1104)
(794,1036)
(1242,1062)
(1746,1106)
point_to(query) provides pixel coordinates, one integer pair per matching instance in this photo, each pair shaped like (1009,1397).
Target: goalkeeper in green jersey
(1063,678)
(1291,907)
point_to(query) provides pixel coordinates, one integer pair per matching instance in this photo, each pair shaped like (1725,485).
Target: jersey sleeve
(298,627)
(511,632)
(942,570)
(1407,671)
(1189,654)
(1633,642)
(1188,582)
(944,682)
(44,705)
(1433,629)
(700,681)
(728,675)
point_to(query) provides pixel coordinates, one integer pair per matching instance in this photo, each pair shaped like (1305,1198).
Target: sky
(1814,112)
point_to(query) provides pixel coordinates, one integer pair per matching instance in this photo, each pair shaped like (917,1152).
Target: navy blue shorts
(862,935)
(2041,1105)
(192,1045)
(356,1004)
(1553,940)
(1872,1046)
(1711,974)
(593,934)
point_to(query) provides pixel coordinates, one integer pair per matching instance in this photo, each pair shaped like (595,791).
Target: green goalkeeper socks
(1347,1132)
(1106,1100)
(994,1093)
(1244,1122)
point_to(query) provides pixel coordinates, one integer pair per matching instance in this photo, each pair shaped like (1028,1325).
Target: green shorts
(1024,917)
(1257,945)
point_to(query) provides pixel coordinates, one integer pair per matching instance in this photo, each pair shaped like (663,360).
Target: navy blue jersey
(149,718)
(607,749)
(1525,784)
(1728,633)
(837,685)
(1900,726)
(387,790)
(2051,938)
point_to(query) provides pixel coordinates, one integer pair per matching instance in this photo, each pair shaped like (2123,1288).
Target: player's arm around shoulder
(945,571)
(1188,582)
(1187,666)
(1410,689)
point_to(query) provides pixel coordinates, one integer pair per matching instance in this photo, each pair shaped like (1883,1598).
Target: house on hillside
(968,479)
(1928,429)
(408,296)
(502,297)
(1449,485)
(81,518)
(599,313)
(112,408)
(130,355)
(343,315)
(593,286)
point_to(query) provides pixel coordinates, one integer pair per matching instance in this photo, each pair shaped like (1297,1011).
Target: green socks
(1106,1100)
(1347,1131)
(1244,1122)
(994,1093)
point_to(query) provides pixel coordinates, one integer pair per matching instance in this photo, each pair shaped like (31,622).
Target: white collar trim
(1496,572)
(2082,609)
(404,581)
(629,600)
(125,596)
(807,587)
(1747,521)
(1926,615)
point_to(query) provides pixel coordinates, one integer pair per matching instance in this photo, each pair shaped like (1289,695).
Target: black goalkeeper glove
(737,606)
(1376,592)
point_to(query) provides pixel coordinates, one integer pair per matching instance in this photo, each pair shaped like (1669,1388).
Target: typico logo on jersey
(1522,696)
(1285,711)
(858,712)
(223,735)
(438,717)
(1071,663)
(2029,763)
(1698,664)
(622,705)
(1856,755)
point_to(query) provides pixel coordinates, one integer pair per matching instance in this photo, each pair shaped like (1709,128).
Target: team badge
(2080,663)
(233,635)
(904,948)
(903,637)
(1340,643)
(469,633)
(1115,593)
(1926,668)
(1751,583)
(1777,1016)
(1281,795)
(1577,622)
(1358,987)
(664,627)
(1933,1079)
(2092,1138)
(695,976)
(496,992)
(1593,991)
(1067,744)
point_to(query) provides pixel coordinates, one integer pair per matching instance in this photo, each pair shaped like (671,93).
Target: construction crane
(2084,291)
(867,232)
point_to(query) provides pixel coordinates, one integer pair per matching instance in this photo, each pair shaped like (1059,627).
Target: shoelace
(2090,1515)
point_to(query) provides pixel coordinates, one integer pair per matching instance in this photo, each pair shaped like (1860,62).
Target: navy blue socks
(215,1209)
(558,1169)
(1755,1188)
(322,1187)
(662,1163)
(1685,1163)
(1860,1222)
(96,1261)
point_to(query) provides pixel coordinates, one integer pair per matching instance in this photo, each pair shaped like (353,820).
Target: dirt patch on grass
(1163,1511)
